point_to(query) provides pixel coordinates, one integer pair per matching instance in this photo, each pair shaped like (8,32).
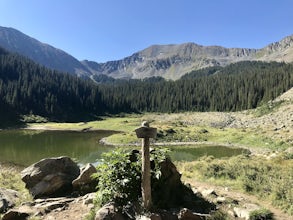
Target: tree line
(28,88)
(239,86)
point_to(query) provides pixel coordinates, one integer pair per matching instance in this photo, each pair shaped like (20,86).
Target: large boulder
(8,198)
(50,176)
(170,192)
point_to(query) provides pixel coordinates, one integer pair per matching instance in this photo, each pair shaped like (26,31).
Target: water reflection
(24,147)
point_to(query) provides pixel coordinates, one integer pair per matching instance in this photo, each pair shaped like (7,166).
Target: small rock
(289,150)
(18,214)
(153,216)
(186,214)
(209,192)
(220,200)
(89,198)
(84,182)
(109,211)
(245,210)
(8,198)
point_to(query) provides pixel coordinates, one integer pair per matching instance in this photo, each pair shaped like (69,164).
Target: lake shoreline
(46,128)
(104,141)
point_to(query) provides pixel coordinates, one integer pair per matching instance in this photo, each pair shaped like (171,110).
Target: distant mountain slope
(15,41)
(167,61)
(173,61)
(281,51)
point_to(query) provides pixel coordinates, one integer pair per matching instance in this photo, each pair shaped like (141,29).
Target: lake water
(24,147)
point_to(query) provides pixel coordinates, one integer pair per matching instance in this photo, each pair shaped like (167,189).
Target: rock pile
(47,180)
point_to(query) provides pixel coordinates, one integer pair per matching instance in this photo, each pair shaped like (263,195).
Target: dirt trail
(239,196)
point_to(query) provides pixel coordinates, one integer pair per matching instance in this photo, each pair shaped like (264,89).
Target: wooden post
(145,132)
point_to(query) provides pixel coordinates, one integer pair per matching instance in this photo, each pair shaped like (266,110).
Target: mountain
(15,41)
(173,61)
(167,61)
(170,61)
(281,51)
(27,88)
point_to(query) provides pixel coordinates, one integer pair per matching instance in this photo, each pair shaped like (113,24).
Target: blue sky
(103,30)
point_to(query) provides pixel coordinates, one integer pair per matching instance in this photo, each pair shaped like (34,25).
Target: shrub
(119,176)
(261,214)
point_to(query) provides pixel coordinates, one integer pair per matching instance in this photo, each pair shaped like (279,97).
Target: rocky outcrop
(51,176)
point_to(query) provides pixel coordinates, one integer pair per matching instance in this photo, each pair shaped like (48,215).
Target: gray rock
(89,198)
(209,192)
(8,198)
(245,210)
(109,211)
(186,214)
(50,176)
(152,216)
(84,182)
(18,214)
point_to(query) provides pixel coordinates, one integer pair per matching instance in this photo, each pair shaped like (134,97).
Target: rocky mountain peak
(283,44)
(169,61)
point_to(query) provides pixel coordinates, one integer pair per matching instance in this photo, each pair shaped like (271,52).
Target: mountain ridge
(42,53)
(169,61)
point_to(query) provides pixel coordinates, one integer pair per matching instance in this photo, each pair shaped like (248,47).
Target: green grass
(10,179)
(269,179)
(267,108)
(171,129)
(124,124)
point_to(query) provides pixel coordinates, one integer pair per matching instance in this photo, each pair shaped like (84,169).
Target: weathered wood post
(146,132)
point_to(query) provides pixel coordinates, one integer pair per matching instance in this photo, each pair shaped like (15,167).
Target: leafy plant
(119,175)
(261,214)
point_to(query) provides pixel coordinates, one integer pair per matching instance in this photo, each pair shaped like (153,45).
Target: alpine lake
(25,147)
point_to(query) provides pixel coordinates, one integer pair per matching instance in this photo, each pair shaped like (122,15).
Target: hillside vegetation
(29,89)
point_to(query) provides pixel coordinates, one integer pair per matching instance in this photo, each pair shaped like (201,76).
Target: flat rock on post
(146,132)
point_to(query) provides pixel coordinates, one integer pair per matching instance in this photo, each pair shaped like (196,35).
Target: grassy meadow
(266,172)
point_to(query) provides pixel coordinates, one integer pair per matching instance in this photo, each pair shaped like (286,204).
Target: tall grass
(270,179)
(10,179)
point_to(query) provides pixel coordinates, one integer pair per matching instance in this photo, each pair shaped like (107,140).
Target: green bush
(261,214)
(119,176)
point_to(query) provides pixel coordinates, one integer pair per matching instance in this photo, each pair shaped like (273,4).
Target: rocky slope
(173,61)
(15,41)
(168,61)
(281,51)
